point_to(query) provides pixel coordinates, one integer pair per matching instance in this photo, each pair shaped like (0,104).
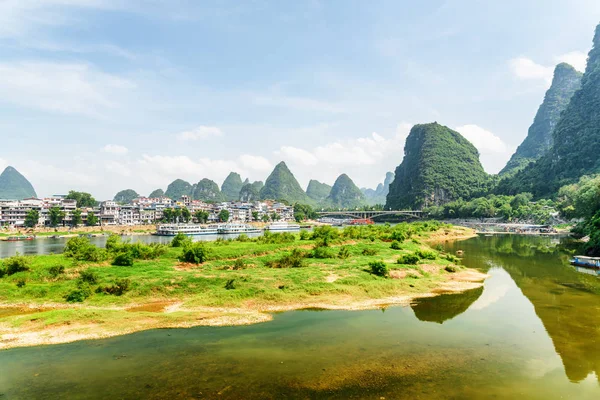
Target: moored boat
(19,238)
(228,229)
(282,226)
(186,229)
(584,261)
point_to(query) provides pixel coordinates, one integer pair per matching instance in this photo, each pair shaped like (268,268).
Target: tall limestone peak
(231,186)
(576,140)
(378,195)
(539,138)
(14,186)
(156,194)
(317,191)
(345,193)
(207,190)
(251,191)
(439,165)
(282,185)
(178,188)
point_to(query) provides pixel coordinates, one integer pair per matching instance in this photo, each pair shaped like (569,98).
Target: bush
(124,259)
(293,260)
(88,277)
(243,238)
(81,249)
(452,258)
(113,243)
(410,259)
(195,253)
(395,245)
(117,289)
(181,240)
(427,254)
(230,284)
(276,238)
(322,252)
(141,251)
(379,268)
(369,252)
(21,283)
(56,271)
(450,268)
(78,295)
(344,253)
(325,235)
(16,264)
(304,235)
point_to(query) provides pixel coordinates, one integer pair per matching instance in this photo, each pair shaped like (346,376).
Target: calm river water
(533,332)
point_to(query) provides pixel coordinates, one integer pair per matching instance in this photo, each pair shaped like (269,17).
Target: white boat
(228,229)
(186,229)
(282,226)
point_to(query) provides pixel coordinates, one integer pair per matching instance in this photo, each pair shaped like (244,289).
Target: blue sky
(103,95)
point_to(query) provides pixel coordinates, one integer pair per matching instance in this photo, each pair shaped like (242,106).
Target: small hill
(126,196)
(439,165)
(231,186)
(251,191)
(14,186)
(282,185)
(345,194)
(317,191)
(207,190)
(539,138)
(576,140)
(178,188)
(156,194)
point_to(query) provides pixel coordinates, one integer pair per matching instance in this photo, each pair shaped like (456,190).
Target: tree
(76,217)
(201,216)
(275,217)
(92,220)
(56,216)
(176,215)
(168,215)
(265,218)
(32,218)
(255,215)
(83,199)
(186,214)
(224,215)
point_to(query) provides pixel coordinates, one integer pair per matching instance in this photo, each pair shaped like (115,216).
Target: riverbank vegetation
(100,289)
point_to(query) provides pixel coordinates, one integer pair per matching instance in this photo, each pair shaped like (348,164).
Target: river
(532,332)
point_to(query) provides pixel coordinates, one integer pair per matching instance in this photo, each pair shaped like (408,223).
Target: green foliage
(88,277)
(208,190)
(239,264)
(293,260)
(56,270)
(14,186)
(282,184)
(325,235)
(251,191)
(181,240)
(178,188)
(21,283)
(318,191)
(322,252)
(450,268)
(126,196)
(16,264)
(344,252)
(426,254)
(120,287)
(157,193)
(231,187)
(224,215)
(369,252)
(302,212)
(408,259)
(439,165)
(304,235)
(56,216)
(76,217)
(281,237)
(78,295)
(345,194)
(195,253)
(83,199)
(92,219)
(379,268)
(230,284)
(201,216)
(124,259)
(32,218)
(395,245)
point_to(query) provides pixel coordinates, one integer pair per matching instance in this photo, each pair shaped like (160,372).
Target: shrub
(239,264)
(113,243)
(395,245)
(243,238)
(322,252)
(325,235)
(379,268)
(141,251)
(56,271)
(275,238)
(195,253)
(410,259)
(369,252)
(117,289)
(78,295)
(124,259)
(304,235)
(181,240)
(450,268)
(230,284)
(81,249)
(21,283)
(344,253)
(88,277)
(293,260)
(16,264)
(452,258)
(427,254)
(2,273)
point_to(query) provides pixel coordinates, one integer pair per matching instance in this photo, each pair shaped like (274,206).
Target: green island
(91,292)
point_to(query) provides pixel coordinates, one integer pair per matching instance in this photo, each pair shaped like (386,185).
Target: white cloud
(115,149)
(484,140)
(299,156)
(201,132)
(58,87)
(256,163)
(578,59)
(526,69)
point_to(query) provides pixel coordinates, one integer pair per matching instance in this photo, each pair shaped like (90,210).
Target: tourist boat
(186,229)
(362,221)
(19,238)
(588,262)
(282,226)
(228,229)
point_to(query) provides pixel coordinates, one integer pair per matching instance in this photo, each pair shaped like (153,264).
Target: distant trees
(255,215)
(303,212)
(76,217)
(55,216)
(201,216)
(32,218)
(92,219)
(275,216)
(186,215)
(224,215)
(83,199)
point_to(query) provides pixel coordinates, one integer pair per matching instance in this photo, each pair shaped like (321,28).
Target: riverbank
(241,282)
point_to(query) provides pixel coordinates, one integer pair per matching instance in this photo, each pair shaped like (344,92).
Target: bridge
(371,214)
